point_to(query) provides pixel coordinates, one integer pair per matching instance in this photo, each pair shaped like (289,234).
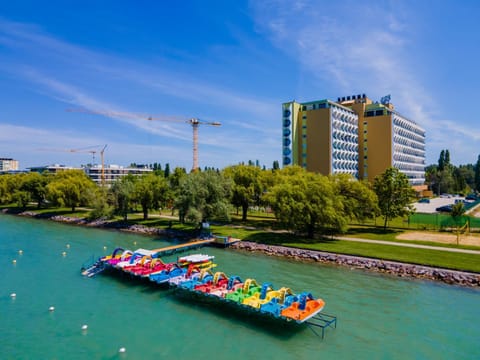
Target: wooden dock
(222,241)
(183,247)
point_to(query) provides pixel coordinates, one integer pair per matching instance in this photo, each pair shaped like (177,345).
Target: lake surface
(379,316)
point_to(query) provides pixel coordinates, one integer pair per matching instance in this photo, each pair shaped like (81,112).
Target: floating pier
(192,275)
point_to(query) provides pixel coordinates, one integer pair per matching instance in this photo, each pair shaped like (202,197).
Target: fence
(442,221)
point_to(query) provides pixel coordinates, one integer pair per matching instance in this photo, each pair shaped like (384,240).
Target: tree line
(446,178)
(302,202)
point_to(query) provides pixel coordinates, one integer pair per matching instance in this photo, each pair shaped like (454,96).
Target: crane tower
(194,122)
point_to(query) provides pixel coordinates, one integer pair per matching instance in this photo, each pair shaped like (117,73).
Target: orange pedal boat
(303,309)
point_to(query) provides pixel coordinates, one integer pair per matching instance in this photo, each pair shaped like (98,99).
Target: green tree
(459,179)
(150,192)
(432,178)
(122,192)
(447,158)
(9,184)
(445,177)
(447,181)
(466,175)
(458,210)
(71,188)
(477,174)
(101,209)
(247,188)
(36,185)
(204,196)
(394,194)
(441,161)
(3,189)
(275,165)
(306,202)
(22,198)
(175,180)
(166,173)
(359,200)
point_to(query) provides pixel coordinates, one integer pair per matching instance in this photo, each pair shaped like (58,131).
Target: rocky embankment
(107,224)
(389,267)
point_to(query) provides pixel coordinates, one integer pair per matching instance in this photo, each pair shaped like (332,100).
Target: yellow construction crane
(194,122)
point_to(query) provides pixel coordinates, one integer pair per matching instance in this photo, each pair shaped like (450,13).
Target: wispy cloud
(358,47)
(73,59)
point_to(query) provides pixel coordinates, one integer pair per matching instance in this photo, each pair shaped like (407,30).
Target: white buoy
(13,295)
(14,261)
(104,248)
(51,308)
(64,253)
(68,246)
(122,350)
(134,243)
(84,327)
(20,252)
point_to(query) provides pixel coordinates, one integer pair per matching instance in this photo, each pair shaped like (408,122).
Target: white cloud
(80,77)
(107,67)
(358,47)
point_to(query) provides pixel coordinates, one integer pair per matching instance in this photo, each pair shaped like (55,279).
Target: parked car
(471,197)
(424,201)
(445,208)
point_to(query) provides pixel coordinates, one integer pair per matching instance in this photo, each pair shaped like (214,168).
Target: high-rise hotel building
(353,135)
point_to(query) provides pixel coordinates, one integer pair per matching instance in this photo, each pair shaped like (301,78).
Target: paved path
(429,247)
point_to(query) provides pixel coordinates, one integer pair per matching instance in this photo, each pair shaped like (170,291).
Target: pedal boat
(248,288)
(265,295)
(303,309)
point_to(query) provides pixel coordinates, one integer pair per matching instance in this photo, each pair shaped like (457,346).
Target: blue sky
(229,61)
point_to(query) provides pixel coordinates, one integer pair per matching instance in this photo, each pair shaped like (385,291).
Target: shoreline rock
(105,224)
(399,269)
(453,277)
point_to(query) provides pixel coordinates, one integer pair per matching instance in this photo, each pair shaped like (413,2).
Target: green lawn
(436,258)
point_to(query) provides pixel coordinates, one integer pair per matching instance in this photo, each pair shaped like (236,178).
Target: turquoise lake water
(379,316)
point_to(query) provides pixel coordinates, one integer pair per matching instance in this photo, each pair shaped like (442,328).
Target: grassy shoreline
(265,233)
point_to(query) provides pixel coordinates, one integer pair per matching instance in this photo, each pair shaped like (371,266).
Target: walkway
(428,247)
(182,247)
